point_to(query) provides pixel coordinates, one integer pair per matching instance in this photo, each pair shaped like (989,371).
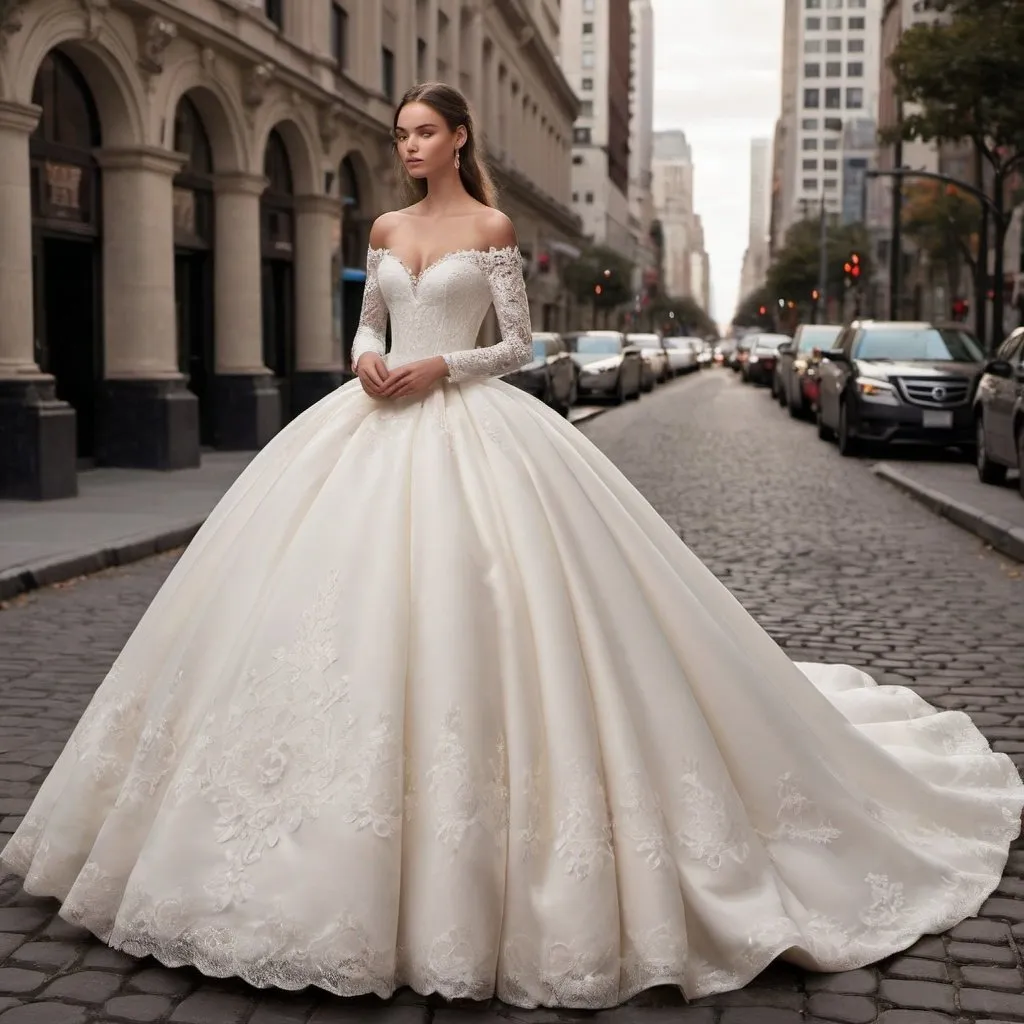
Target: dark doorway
(66,245)
(68,335)
(193,261)
(278,283)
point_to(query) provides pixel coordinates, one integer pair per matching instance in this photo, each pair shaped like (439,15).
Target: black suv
(890,381)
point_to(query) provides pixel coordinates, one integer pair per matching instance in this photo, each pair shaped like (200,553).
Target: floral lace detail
(712,831)
(640,820)
(584,836)
(798,818)
(530,833)
(886,902)
(371,333)
(462,799)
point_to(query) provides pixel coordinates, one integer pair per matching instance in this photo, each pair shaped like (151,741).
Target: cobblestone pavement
(835,563)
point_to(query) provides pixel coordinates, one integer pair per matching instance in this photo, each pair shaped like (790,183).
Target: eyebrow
(429,124)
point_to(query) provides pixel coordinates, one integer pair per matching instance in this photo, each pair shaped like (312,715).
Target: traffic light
(598,289)
(762,310)
(855,260)
(852,268)
(961,307)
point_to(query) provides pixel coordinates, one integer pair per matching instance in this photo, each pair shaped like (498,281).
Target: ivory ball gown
(436,698)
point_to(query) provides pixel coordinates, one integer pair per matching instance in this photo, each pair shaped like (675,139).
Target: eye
(428,135)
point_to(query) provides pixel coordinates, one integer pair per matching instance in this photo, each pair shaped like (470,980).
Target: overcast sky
(718,66)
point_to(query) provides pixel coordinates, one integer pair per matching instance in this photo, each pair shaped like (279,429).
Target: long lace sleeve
(508,293)
(373,319)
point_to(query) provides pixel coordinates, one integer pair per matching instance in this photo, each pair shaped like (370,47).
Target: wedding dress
(435,698)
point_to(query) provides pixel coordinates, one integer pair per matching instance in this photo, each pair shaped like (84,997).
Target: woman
(435,698)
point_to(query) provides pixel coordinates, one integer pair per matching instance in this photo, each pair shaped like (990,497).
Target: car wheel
(824,432)
(620,391)
(989,472)
(848,444)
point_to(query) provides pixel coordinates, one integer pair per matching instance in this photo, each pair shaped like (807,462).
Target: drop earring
(458,163)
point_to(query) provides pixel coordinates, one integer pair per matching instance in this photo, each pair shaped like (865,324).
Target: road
(833,561)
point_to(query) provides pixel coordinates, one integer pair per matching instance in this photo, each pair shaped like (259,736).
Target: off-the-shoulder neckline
(494,250)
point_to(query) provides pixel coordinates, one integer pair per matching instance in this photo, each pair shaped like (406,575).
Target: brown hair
(454,108)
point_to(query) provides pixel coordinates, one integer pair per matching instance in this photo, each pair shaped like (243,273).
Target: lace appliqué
(798,818)
(373,317)
(584,837)
(711,832)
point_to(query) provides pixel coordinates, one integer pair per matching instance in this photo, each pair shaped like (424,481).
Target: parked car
(681,357)
(759,367)
(741,352)
(999,413)
(655,356)
(609,367)
(888,381)
(796,373)
(552,374)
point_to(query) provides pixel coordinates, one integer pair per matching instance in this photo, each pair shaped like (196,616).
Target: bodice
(439,311)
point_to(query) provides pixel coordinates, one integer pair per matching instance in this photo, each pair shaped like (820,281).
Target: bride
(435,698)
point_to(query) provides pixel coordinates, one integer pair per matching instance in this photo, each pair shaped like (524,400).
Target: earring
(458,163)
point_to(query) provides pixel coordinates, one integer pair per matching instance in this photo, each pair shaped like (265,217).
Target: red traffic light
(598,289)
(855,258)
(763,310)
(855,271)
(847,267)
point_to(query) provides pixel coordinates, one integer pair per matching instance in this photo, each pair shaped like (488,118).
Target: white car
(654,354)
(682,355)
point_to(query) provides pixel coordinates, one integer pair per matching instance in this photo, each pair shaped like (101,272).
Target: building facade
(641,142)
(186,191)
(830,77)
(595,57)
(755,259)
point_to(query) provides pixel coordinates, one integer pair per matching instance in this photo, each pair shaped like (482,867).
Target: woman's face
(425,143)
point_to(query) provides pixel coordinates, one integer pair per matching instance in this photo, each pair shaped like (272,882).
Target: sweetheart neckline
(416,278)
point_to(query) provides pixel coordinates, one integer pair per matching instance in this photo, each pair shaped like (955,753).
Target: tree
(684,313)
(793,274)
(748,312)
(600,277)
(943,221)
(961,78)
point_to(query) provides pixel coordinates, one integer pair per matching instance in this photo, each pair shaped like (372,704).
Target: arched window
(278,200)
(277,167)
(69,115)
(191,139)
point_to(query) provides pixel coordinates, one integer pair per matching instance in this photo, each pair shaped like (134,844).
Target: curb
(66,567)
(1001,535)
(589,415)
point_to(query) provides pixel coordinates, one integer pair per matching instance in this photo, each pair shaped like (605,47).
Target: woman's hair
(453,107)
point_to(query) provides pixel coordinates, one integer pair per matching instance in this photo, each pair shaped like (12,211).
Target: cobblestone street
(837,564)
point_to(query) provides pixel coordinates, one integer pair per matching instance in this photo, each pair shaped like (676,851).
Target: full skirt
(435,698)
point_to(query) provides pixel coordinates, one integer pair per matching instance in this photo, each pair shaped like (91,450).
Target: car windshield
(540,350)
(924,343)
(597,344)
(817,337)
(769,344)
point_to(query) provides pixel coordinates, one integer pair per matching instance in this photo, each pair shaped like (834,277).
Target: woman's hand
(372,372)
(414,378)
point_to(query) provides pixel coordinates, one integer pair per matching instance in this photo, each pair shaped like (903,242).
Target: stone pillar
(247,410)
(148,418)
(38,451)
(319,368)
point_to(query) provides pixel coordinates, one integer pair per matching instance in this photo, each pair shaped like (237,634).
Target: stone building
(186,190)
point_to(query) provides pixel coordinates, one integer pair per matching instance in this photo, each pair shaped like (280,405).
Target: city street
(836,563)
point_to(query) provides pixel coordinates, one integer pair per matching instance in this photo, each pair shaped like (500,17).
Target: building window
(810,165)
(274,10)
(587,108)
(855,69)
(812,24)
(834,69)
(589,197)
(809,144)
(387,73)
(855,45)
(855,99)
(581,136)
(339,34)
(577,159)
(831,144)
(812,5)
(575,197)
(834,5)
(833,46)
(857,24)
(856,4)
(811,99)
(830,165)
(831,184)
(587,85)
(812,71)
(588,28)
(809,124)
(834,24)
(588,58)
(833,99)
(812,46)
(810,184)
(588,6)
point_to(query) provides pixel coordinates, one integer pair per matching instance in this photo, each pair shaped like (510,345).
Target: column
(319,368)
(248,406)
(38,452)
(476,64)
(148,418)
(370,41)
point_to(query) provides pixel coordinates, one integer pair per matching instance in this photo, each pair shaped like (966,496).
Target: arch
(192,139)
(105,64)
(277,166)
(219,109)
(301,143)
(69,116)
(359,170)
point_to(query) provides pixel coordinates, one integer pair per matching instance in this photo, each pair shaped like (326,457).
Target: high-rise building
(755,259)
(682,234)
(595,58)
(830,77)
(641,145)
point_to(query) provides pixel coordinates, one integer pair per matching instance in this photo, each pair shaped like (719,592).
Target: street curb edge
(84,563)
(1003,536)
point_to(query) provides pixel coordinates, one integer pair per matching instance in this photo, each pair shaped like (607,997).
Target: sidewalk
(119,516)
(996,514)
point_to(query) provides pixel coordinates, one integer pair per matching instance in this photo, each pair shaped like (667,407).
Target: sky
(717,76)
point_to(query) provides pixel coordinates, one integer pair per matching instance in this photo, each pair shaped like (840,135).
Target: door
(279,327)
(194,307)
(1000,405)
(69,331)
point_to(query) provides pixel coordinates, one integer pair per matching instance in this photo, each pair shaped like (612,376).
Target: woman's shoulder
(382,228)
(496,230)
